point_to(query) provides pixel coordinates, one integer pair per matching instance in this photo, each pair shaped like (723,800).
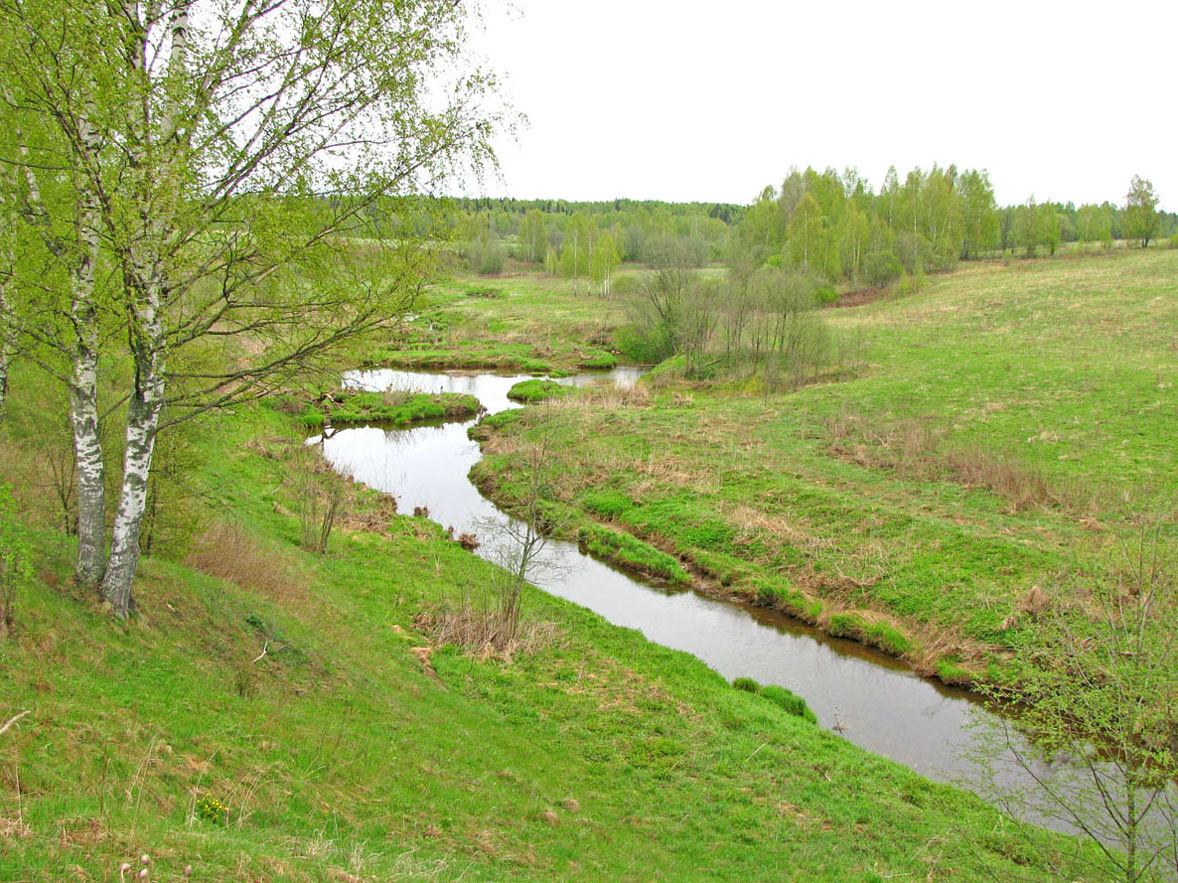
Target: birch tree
(51,185)
(250,138)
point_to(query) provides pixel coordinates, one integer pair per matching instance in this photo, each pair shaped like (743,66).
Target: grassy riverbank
(273,714)
(1010,420)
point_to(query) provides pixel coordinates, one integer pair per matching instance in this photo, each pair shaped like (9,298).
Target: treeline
(830,225)
(586,241)
(836,227)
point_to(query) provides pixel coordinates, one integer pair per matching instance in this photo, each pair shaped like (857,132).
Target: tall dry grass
(919,449)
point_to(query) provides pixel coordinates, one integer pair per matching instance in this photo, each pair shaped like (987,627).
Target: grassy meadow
(271,714)
(1008,424)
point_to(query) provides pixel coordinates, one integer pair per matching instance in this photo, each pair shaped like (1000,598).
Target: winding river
(875,701)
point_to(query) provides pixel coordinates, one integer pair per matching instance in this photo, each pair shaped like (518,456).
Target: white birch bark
(143,412)
(147,285)
(7,316)
(82,262)
(84,417)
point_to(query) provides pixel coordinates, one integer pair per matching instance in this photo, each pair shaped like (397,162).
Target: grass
(276,715)
(537,390)
(1012,418)
(522,322)
(345,407)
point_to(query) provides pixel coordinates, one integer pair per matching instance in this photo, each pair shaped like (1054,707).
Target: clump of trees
(177,178)
(585,242)
(753,322)
(835,227)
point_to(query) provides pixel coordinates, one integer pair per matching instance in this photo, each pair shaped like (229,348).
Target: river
(872,699)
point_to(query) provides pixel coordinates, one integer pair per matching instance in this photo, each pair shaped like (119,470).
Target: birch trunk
(143,413)
(4,359)
(6,344)
(146,283)
(91,471)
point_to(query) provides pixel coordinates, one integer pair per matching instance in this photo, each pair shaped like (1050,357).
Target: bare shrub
(486,628)
(320,496)
(227,553)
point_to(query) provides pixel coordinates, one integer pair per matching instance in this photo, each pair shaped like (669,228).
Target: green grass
(295,691)
(1010,421)
(537,390)
(347,407)
(524,322)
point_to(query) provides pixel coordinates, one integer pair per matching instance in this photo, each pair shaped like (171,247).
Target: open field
(519,321)
(272,714)
(1010,422)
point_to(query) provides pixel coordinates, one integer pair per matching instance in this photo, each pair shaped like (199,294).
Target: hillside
(275,715)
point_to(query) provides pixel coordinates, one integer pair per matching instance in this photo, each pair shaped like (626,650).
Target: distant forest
(831,225)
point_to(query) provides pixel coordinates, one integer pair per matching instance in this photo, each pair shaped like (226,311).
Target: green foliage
(747,685)
(210,809)
(598,360)
(883,267)
(789,701)
(645,346)
(1141,216)
(399,408)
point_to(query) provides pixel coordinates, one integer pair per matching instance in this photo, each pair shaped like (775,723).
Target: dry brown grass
(226,552)
(484,631)
(918,449)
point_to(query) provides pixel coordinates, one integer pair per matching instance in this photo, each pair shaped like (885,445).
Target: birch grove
(218,156)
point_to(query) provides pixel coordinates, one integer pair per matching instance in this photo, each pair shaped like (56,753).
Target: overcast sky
(711,101)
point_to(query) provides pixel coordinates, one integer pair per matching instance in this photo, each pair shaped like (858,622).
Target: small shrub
(210,809)
(883,267)
(825,294)
(789,701)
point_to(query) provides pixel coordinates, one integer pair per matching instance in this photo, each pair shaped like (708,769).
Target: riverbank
(1010,425)
(274,714)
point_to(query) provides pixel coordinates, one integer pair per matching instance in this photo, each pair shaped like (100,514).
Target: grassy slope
(526,322)
(1065,368)
(340,757)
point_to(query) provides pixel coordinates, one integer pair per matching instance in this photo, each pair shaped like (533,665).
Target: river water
(872,699)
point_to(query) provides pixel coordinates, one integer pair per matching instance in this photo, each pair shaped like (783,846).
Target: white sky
(711,101)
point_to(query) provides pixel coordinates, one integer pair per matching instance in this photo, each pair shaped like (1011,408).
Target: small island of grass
(537,390)
(397,407)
